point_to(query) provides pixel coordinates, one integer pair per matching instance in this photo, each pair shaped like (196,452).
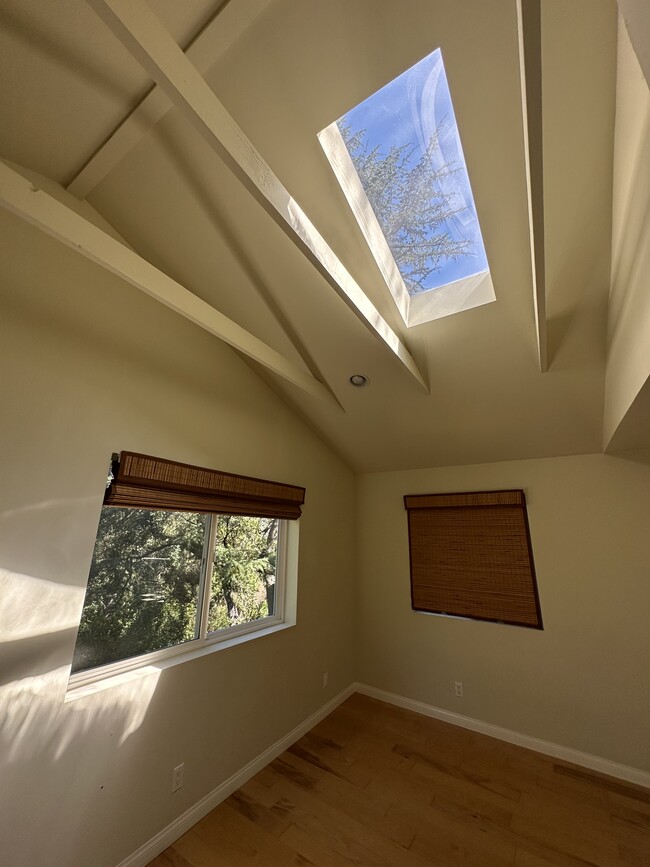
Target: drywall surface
(90,366)
(628,360)
(583,682)
(636,14)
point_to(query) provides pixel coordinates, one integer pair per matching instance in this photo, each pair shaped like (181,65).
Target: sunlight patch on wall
(33,607)
(38,623)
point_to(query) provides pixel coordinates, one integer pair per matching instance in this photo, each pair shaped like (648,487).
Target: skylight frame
(455,296)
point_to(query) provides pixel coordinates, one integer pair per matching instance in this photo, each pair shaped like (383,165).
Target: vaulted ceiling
(72,97)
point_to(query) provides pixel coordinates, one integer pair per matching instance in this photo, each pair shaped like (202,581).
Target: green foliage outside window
(145,576)
(243,577)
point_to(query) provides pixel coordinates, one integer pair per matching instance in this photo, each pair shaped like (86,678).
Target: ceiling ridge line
(260,286)
(142,33)
(213,40)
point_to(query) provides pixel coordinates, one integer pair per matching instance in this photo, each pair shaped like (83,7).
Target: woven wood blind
(145,482)
(471,556)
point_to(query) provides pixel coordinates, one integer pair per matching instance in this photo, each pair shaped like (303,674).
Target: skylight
(399,160)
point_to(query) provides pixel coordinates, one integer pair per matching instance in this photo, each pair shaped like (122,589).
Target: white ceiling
(66,83)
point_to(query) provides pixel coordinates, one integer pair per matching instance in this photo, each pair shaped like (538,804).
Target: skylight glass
(399,154)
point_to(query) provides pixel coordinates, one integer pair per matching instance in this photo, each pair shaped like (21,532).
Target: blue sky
(407,111)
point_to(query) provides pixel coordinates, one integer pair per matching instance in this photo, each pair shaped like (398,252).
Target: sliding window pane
(143,586)
(244,571)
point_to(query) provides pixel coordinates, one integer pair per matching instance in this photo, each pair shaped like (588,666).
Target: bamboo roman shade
(145,482)
(471,556)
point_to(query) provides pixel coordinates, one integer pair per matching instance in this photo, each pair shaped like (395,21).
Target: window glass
(244,570)
(399,160)
(151,587)
(143,586)
(405,146)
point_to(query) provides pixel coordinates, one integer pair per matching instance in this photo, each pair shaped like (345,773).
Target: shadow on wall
(636,455)
(58,759)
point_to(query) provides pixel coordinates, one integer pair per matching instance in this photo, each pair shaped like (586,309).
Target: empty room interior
(350,277)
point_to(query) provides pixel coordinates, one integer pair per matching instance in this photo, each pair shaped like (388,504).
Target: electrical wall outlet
(177,778)
(326,677)
(458,688)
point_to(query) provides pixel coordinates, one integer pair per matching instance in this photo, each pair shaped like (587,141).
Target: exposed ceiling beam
(143,34)
(22,197)
(222,31)
(530,63)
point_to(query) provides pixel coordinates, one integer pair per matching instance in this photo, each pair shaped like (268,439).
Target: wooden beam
(530,64)
(222,31)
(142,33)
(22,197)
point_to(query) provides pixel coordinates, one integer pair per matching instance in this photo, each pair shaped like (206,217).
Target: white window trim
(90,681)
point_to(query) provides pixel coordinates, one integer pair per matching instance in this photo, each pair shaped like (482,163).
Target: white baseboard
(166,837)
(557,751)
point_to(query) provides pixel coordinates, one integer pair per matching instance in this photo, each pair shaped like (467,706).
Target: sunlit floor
(374,784)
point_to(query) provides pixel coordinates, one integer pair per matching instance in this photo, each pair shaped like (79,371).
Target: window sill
(111,680)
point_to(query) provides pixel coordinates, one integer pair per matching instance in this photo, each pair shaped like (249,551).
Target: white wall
(90,366)
(584,681)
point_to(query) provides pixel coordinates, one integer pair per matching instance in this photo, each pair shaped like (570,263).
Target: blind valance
(145,482)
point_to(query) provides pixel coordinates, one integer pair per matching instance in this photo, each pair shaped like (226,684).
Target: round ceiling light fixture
(359,380)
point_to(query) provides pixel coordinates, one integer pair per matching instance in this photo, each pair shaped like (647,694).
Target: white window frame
(205,642)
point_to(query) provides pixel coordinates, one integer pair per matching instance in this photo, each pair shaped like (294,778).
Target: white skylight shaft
(407,165)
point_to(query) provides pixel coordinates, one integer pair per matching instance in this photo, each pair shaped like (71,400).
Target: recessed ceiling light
(358,380)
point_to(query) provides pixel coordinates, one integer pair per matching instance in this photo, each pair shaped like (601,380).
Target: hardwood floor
(373,784)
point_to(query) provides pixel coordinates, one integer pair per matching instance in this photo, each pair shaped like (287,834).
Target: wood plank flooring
(376,785)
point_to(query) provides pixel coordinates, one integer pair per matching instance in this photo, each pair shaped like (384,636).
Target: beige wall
(628,360)
(584,681)
(90,366)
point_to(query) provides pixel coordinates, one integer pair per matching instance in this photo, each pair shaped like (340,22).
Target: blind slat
(471,556)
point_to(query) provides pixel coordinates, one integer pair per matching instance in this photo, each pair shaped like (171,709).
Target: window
(184,557)
(399,160)
(471,556)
